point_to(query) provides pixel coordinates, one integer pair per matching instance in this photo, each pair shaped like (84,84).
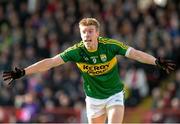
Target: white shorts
(97,107)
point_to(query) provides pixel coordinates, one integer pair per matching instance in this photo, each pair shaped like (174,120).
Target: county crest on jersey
(103,57)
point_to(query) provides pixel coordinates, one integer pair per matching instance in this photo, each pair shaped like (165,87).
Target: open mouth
(87,40)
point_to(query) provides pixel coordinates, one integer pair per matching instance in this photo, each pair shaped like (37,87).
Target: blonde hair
(90,21)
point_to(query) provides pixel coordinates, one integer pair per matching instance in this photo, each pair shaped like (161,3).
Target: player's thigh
(96,110)
(115,114)
(115,108)
(100,119)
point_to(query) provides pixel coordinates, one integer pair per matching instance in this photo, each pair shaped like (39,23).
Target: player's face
(89,35)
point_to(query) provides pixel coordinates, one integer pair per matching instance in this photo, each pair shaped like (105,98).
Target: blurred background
(31,30)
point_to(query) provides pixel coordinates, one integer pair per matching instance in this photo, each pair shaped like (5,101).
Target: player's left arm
(141,56)
(146,58)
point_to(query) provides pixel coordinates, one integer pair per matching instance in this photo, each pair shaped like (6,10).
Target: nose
(86,35)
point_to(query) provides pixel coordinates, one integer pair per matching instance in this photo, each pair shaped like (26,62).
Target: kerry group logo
(97,69)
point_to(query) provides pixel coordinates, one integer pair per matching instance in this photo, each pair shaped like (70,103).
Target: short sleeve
(119,47)
(70,54)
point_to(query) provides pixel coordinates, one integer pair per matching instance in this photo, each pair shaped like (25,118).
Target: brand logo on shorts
(117,100)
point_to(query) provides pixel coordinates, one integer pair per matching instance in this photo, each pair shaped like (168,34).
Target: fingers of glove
(7,78)
(171,68)
(166,62)
(8,82)
(6,74)
(171,64)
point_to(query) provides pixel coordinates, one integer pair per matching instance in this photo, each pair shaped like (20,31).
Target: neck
(93,48)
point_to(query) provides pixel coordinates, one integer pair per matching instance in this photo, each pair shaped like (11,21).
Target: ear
(97,32)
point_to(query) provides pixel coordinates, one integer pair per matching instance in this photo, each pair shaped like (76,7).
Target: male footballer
(95,57)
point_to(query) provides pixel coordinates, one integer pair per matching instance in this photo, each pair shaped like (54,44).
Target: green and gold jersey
(99,69)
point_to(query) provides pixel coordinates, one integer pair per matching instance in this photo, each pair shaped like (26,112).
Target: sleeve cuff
(128,51)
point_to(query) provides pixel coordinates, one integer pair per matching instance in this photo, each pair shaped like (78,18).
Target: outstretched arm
(44,65)
(143,57)
(40,66)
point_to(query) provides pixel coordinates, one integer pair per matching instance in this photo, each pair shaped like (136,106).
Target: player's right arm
(70,54)
(38,67)
(44,65)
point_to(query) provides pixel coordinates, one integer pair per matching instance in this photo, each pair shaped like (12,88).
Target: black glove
(10,76)
(167,65)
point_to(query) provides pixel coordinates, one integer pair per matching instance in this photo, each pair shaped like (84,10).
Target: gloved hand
(10,76)
(166,65)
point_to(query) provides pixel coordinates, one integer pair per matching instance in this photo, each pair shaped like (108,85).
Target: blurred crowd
(31,30)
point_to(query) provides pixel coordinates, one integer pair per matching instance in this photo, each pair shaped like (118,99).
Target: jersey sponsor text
(97,69)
